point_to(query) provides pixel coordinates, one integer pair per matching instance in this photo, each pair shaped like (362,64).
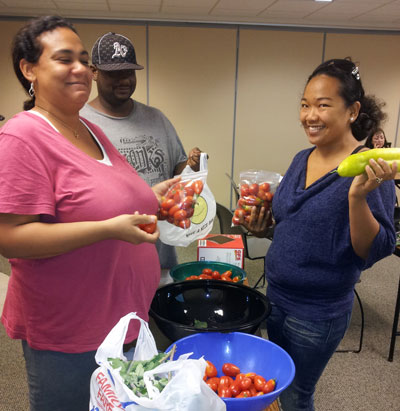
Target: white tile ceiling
(348,14)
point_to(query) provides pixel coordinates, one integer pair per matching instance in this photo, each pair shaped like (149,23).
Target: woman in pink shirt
(70,206)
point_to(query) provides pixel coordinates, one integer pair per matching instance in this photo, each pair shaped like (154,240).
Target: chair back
(225,221)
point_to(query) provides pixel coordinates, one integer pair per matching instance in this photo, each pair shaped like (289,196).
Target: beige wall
(191,78)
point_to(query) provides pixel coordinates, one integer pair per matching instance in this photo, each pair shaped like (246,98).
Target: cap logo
(120,50)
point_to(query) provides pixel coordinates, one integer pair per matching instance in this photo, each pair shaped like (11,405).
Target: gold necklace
(76,134)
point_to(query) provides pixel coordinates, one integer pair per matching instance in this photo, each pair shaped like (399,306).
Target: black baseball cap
(114,52)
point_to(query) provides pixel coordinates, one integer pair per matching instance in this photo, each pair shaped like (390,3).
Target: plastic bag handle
(112,346)
(203,162)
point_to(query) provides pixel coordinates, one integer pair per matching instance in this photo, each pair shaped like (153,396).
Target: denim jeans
(310,344)
(58,381)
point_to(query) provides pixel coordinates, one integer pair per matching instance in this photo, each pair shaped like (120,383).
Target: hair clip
(355,73)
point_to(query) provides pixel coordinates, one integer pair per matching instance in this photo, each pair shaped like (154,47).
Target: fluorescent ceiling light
(328,1)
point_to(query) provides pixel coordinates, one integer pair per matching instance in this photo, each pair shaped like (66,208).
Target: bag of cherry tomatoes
(188,209)
(256,188)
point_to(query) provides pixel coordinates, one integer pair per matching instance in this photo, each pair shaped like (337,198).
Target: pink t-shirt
(69,303)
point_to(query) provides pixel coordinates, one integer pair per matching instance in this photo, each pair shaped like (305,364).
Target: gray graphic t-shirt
(149,142)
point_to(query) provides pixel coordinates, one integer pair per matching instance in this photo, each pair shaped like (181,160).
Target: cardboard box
(225,248)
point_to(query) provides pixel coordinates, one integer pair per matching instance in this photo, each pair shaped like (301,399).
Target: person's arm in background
(193,161)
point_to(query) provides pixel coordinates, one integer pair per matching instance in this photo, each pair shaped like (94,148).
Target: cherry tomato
(211,371)
(239,377)
(253,189)
(245,383)
(198,186)
(192,277)
(262,195)
(207,271)
(216,275)
(230,369)
(252,390)
(236,279)
(226,278)
(187,202)
(252,200)
(251,375)
(235,220)
(269,386)
(162,214)
(259,382)
(205,277)
(213,383)
(235,388)
(167,204)
(188,184)
(244,190)
(149,228)
(188,191)
(269,196)
(184,223)
(173,210)
(265,187)
(180,215)
(225,381)
(244,394)
(179,196)
(224,392)
(190,211)
(241,202)
(227,273)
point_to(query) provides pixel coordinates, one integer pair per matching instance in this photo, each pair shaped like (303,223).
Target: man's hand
(193,160)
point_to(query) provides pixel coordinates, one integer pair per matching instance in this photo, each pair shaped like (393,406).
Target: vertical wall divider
(397,128)
(147,66)
(234,110)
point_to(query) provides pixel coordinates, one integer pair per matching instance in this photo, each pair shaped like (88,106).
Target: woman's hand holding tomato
(126,227)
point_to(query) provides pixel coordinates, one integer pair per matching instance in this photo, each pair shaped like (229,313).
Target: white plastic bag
(202,219)
(186,391)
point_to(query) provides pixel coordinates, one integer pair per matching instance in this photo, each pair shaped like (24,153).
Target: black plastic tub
(189,307)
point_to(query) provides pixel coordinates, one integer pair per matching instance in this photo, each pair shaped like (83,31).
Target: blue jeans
(311,344)
(58,381)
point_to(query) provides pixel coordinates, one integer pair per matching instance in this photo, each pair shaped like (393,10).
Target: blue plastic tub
(250,354)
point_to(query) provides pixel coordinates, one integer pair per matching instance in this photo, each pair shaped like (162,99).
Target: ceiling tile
(140,3)
(254,5)
(187,11)
(62,5)
(139,8)
(206,4)
(29,4)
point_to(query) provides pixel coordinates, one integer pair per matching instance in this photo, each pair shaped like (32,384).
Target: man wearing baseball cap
(141,133)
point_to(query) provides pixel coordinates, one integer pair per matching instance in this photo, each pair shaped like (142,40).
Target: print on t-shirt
(146,155)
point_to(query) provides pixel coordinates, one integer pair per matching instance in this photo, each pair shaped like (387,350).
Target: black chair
(224,216)
(358,350)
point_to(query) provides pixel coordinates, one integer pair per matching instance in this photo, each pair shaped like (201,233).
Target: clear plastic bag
(186,390)
(256,188)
